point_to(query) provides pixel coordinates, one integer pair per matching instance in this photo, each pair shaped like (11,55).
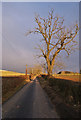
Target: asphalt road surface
(0,97)
(30,102)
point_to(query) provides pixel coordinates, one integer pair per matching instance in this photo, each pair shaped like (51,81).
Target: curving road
(30,102)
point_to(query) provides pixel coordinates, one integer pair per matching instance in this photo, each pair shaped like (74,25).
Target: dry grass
(10,85)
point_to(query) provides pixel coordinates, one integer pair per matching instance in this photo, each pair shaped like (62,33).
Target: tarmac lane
(30,102)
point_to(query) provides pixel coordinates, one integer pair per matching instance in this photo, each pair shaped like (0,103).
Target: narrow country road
(30,102)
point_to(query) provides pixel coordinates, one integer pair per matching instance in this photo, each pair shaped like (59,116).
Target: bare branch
(56,37)
(43,52)
(66,51)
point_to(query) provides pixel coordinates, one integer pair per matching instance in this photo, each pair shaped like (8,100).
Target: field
(4,73)
(10,85)
(73,77)
(76,77)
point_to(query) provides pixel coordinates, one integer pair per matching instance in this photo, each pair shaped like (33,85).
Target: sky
(0,35)
(80,36)
(19,17)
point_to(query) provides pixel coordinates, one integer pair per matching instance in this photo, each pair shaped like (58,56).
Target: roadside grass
(10,85)
(65,95)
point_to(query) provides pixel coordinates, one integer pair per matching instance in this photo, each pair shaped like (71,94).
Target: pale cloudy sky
(17,18)
(0,35)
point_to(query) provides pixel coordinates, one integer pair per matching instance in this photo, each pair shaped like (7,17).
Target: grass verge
(64,94)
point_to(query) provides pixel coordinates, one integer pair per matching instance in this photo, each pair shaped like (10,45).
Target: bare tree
(36,69)
(55,37)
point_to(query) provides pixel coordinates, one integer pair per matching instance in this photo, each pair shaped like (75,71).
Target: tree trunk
(50,67)
(48,70)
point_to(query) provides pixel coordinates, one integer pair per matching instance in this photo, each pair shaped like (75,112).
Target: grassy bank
(64,94)
(10,85)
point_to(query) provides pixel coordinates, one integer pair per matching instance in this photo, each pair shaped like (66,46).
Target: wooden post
(32,71)
(26,71)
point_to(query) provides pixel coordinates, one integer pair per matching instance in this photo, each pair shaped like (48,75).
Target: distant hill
(10,73)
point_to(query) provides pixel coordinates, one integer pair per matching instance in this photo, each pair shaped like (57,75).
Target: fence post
(26,71)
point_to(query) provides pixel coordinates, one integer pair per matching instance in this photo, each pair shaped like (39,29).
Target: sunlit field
(73,77)
(5,73)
